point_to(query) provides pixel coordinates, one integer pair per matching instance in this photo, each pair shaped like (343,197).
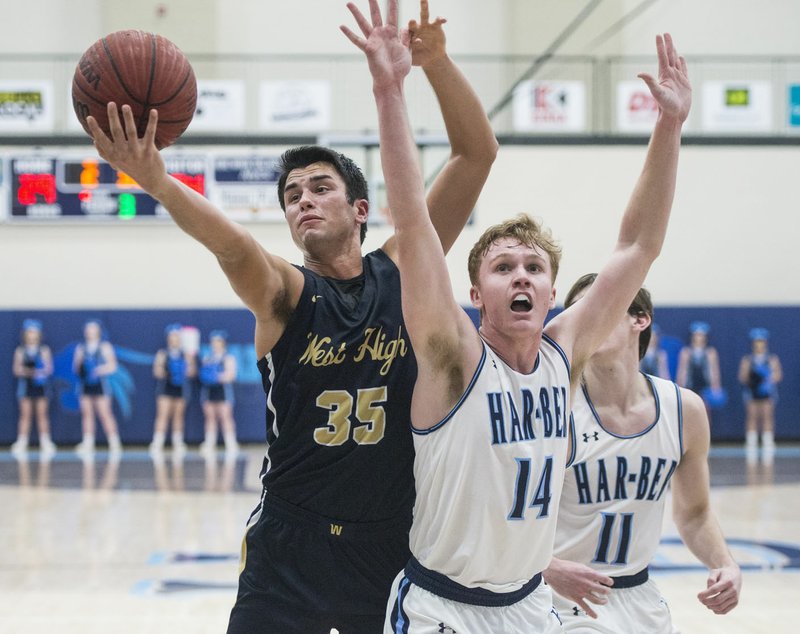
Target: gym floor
(137,546)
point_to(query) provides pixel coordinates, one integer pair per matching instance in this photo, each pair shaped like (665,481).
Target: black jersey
(338,385)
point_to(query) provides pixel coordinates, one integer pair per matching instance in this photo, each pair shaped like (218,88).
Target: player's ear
(475,297)
(642,321)
(362,210)
(552,303)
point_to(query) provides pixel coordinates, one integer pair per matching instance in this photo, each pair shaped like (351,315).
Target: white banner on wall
(220,105)
(550,106)
(737,106)
(637,110)
(295,105)
(26,106)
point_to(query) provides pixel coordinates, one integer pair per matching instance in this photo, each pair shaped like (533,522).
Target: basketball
(143,70)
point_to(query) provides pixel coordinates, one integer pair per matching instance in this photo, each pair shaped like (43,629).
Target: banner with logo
(637,110)
(549,106)
(26,106)
(295,105)
(220,106)
(794,105)
(737,106)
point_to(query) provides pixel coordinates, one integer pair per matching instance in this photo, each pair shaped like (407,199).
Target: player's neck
(615,379)
(340,263)
(518,351)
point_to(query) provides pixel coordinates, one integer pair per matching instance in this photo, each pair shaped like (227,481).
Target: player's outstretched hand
(579,583)
(724,587)
(672,90)
(387,53)
(125,151)
(426,38)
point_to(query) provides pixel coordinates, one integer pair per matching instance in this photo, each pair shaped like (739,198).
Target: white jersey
(489,475)
(612,505)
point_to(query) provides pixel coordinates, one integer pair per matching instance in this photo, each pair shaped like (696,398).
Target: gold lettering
(320,352)
(336,529)
(379,350)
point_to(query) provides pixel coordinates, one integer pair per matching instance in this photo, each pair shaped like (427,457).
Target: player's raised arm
(473,147)
(586,325)
(258,278)
(693,515)
(434,320)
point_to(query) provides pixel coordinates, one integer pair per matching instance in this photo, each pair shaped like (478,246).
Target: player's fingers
(362,22)
(586,608)
(405,38)
(358,41)
(672,54)
(375,13)
(413,25)
(130,124)
(97,133)
(682,64)
(391,14)
(651,82)
(439,21)
(424,12)
(152,124)
(114,125)
(661,52)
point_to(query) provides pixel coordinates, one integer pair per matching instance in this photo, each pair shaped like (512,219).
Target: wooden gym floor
(138,547)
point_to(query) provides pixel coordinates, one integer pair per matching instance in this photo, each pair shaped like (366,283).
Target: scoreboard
(72,187)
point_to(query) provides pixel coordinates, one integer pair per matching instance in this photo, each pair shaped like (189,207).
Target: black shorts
(306,574)
(93,389)
(28,389)
(172,391)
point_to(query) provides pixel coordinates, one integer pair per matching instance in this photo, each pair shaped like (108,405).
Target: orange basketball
(143,70)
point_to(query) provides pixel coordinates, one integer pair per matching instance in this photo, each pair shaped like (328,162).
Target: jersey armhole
(452,412)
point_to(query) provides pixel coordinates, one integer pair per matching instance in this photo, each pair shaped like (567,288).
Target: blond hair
(522,228)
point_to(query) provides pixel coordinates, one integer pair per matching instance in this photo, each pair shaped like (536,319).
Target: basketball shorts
(413,609)
(306,574)
(632,610)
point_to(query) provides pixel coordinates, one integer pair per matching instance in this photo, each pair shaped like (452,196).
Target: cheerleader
(33,366)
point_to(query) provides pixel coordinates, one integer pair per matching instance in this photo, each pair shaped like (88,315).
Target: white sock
(751,439)
(177,438)
(768,440)
(158,439)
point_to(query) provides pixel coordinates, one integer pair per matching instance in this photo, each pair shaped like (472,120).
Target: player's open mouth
(521,304)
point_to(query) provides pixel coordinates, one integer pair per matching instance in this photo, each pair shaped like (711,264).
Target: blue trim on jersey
(453,411)
(641,433)
(631,581)
(444,587)
(558,348)
(399,620)
(573,443)
(680,416)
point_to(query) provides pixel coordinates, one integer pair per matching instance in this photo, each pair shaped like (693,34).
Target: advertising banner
(295,105)
(26,106)
(550,106)
(737,106)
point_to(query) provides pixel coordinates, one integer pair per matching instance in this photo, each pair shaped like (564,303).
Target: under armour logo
(576,611)
(594,435)
(446,629)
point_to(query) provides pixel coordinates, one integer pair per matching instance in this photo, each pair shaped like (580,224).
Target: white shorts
(414,610)
(628,611)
